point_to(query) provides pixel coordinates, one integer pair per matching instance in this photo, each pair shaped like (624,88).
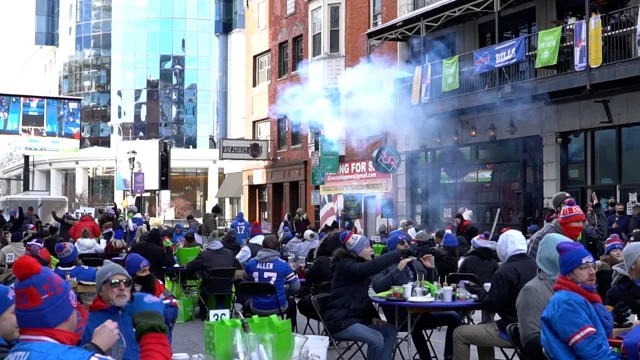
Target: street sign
(315,159)
(315,197)
(317,175)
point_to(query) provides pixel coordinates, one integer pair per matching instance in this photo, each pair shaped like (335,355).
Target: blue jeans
(380,340)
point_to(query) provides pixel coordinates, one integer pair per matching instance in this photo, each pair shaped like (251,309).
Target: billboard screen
(39,123)
(147,161)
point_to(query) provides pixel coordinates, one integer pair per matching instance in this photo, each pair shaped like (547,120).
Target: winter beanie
(613,242)
(354,242)
(108,270)
(395,238)
(570,213)
(46,300)
(67,252)
(572,255)
(310,235)
(558,198)
(630,254)
(7,298)
(483,241)
(135,263)
(255,230)
(547,257)
(449,240)
(422,236)
(16,237)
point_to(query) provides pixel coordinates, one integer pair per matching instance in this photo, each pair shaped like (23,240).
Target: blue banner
(497,56)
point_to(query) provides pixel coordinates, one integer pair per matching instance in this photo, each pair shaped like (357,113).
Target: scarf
(61,336)
(604,315)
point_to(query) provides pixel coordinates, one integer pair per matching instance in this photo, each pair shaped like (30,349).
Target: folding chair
(92,261)
(324,288)
(320,303)
(506,356)
(220,278)
(514,336)
(247,289)
(88,256)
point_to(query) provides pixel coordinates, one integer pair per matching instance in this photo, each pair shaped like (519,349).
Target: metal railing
(618,44)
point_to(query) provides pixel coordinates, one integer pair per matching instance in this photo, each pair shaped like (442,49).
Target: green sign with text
(317,175)
(330,155)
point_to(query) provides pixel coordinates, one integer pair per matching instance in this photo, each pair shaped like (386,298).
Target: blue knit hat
(572,255)
(449,240)
(354,242)
(16,237)
(66,252)
(7,298)
(395,238)
(135,263)
(43,299)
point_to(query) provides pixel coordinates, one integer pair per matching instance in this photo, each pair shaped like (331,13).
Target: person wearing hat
(134,221)
(229,241)
(69,266)
(446,255)
(604,268)
(571,223)
(8,325)
(10,253)
(301,222)
(583,334)
(625,287)
(242,228)
(481,259)
(144,281)
(287,236)
(516,270)
(65,223)
(250,249)
(350,315)
(531,230)
(302,246)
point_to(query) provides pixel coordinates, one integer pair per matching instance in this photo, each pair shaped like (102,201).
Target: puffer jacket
(85,222)
(89,246)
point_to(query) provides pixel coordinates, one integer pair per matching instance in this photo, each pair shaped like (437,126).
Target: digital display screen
(41,123)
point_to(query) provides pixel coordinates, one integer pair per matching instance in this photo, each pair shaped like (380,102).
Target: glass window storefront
(189,189)
(483,178)
(101,191)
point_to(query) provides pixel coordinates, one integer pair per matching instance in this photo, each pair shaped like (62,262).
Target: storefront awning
(231,186)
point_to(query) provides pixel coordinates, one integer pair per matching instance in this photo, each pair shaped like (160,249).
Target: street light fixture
(132,163)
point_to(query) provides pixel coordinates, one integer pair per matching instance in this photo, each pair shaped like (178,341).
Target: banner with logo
(426,82)
(595,41)
(497,56)
(580,46)
(450,73)
(548,46)
(356,177)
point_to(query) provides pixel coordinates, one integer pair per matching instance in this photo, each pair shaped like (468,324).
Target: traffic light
(165,164)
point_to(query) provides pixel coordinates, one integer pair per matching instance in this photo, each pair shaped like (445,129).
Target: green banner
(548,46)
(330,155)
(450,73)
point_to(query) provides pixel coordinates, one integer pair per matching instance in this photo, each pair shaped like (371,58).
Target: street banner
(415,88)
(329,155)
(450,73)
(548,46)
(356,177)
(138,183)
(580,46)
(595,41)
(426,82)
(497,56)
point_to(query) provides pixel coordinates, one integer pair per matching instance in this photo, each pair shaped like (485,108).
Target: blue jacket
(623,224)
(136,222)
(176,238)
(46,348)
(99,312)
(242,227)
(77,273)
(571,329)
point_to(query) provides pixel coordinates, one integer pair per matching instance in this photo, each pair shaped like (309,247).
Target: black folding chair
(92,261)
(320,303)
(88,256)
(324,288)
(514,336)
(248,289)
(217,278)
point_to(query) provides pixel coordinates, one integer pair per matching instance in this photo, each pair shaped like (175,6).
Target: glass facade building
(47,16)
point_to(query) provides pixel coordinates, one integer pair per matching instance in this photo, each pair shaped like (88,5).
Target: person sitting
(107,231)
(535,295)
(8,325)
(625,287)
(144,281)
(178,234)
(153,249)
(516,270)
(51,240)
(411,270)
(481,259)
(575,324)
(41,254)
(117,243)
(447,255)
(69,266)
(10,253)
(604,268)
(250,249)
(229,242)
(87,245)
(301,246)
(214,256)
(268,267)
(190,240)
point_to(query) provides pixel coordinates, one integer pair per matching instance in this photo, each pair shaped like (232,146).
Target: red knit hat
(571,212)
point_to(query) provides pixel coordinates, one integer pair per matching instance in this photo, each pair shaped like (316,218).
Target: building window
(291,7)
(605,157)
(189,191)
(576,164)
(262,131)
(334,29)
(282,132)
(316,31)
(263,204)
(262,15)
(377,13)
(262,69)
(283,59)
(630,149)
(296,133)
(298,52)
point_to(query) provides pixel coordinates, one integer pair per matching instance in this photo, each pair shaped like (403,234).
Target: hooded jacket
(65,225)
(242,228)
(268,267)
(99,312)
(153,250)
(178,238)
(230,242)
(623,289)
(132,226)
(89,246)
(480,262)
(85,222)
(250,250)
(214,256)
(285,223)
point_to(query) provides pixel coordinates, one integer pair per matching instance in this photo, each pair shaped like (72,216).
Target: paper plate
(421,299)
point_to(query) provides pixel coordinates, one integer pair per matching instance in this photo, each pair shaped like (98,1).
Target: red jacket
(86,222)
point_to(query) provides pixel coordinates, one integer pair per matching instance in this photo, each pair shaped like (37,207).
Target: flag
(450,76)
(595,41)
(426,82)
(580,46)
(415,89)
(548,46)
(327,210)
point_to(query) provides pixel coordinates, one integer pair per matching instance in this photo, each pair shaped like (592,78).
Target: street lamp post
(132,163)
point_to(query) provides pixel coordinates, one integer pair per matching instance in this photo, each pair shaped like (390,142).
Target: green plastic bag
(185,309)
(219,338)
(273,325)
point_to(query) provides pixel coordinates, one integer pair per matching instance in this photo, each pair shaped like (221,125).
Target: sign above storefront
(244,149)
(386,160)
(356,177)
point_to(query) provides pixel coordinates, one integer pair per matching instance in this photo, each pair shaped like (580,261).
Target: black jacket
(16,223)
(604,276)
(157,255)
(349,301)
(480,262)
(623,289)
(634,223)
(65,226)
(319,273)
(446,262)
(505,287)
(230,242)
(210,259)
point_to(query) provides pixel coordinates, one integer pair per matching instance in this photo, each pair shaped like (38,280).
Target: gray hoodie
(214,245)
(530,305)
(619,273)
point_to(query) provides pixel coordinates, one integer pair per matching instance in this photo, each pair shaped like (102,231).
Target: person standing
(618,222)
(242,228)
(300,222)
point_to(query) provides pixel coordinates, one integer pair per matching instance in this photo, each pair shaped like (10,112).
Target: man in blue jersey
(242,227)
(69,267)
(268,267)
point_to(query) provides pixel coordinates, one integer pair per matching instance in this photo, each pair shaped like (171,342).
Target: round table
(423,307)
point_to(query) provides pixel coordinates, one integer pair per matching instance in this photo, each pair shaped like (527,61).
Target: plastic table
(425,307)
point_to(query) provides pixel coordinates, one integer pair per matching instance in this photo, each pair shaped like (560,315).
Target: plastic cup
(406,290)
(487,286)
(447,294)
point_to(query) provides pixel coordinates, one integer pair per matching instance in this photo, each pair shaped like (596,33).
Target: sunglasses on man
(115,283)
